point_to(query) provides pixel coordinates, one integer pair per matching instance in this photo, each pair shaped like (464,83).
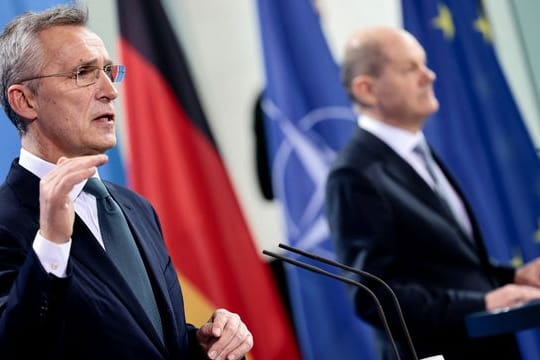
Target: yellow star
(444,22)
(482,25)
(537,234)
(517,261)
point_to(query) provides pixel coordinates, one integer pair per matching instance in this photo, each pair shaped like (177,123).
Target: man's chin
(433,108)
(103,148)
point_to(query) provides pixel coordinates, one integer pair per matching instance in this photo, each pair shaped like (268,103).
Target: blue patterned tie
(122,249)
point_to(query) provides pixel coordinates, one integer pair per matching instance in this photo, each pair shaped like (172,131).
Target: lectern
(505,320)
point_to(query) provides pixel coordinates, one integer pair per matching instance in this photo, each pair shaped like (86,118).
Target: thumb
(205,332)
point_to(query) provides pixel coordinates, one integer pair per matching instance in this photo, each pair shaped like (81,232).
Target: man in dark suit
(396,212)
(63,295)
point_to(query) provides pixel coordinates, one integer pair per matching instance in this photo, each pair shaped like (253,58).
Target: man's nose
(428,75)
(106,88)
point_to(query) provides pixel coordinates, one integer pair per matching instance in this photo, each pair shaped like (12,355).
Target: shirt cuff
(53,257)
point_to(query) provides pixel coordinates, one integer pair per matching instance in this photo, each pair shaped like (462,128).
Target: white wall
(509,50)
(221,41)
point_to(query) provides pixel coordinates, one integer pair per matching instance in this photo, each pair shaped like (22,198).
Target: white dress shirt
(403,143)
(54,257)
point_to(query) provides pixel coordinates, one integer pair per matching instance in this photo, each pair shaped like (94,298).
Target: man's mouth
(105,118)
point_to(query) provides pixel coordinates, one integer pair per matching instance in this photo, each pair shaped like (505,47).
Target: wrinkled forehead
(71,45)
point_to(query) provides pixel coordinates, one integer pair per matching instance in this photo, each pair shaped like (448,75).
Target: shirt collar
(40,168)
(401,141)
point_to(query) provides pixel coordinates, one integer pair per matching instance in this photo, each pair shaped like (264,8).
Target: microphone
(346,280)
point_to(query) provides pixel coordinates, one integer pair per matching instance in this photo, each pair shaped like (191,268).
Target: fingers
(56,208)
(510,295)
(529,274)
(240,342)
(225,336)
(70,172)
(204,335)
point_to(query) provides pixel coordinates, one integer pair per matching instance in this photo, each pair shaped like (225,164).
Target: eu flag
(308,118)
(479,131)
(9,139)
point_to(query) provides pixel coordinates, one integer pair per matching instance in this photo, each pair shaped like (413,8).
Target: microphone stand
(347,281)
(344,279)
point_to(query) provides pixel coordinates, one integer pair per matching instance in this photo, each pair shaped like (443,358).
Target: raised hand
(57,213)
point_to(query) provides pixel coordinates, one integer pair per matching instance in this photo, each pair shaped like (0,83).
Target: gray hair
(363,56)
(21,53)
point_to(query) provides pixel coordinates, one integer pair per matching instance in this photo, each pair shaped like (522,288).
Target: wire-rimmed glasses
(86,75)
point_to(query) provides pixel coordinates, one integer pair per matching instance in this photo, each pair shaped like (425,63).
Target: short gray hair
(21,53)
(364,57)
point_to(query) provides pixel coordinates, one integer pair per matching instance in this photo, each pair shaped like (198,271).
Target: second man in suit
(396,212)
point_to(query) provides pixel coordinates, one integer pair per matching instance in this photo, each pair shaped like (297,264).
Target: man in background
(84,272)
(395,211)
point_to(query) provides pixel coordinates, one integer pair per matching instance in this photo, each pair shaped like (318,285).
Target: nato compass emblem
(303,151)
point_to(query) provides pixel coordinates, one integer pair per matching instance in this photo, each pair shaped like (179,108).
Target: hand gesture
(225,336)
(56,211)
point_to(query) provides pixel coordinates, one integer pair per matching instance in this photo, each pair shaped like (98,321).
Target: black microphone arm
(367,275)
(355,283)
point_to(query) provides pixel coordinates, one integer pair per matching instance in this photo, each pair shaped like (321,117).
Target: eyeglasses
(86,75)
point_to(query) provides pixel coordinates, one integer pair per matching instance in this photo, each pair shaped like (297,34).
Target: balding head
(366,53)
(385,73)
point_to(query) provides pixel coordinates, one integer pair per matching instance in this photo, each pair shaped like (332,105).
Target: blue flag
(308,118)
(9,139)
(479,131)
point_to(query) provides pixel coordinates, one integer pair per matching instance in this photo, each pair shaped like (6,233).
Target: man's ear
(22,101)
(362,88)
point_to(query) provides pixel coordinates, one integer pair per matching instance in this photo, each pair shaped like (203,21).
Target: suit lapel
(24,184)
(150,254)
(475,230)
(86,253)
(90,256)
(403,173)
(398,169)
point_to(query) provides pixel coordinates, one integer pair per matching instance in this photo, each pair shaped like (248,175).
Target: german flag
(174,162)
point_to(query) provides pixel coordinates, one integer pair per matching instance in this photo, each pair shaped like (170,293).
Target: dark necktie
(122,249)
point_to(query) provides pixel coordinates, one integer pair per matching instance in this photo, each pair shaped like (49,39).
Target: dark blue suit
(387,220)
(90,314)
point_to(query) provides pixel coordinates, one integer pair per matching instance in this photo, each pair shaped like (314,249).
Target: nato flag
(308,118)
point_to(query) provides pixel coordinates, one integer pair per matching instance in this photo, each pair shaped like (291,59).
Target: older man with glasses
(84,272)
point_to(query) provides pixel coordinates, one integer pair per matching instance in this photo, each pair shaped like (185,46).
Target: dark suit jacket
(91,314)
(386,220)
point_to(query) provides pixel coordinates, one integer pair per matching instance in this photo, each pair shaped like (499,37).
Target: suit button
(44,308)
